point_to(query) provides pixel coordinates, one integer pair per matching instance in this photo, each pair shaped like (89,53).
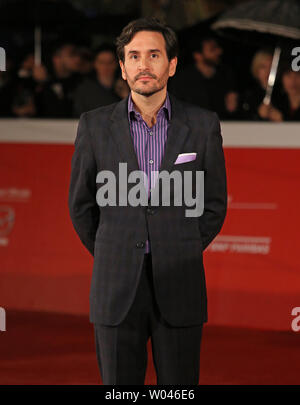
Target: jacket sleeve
(83,208)
(215,186)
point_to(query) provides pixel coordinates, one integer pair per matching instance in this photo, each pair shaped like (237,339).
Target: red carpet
(47,348)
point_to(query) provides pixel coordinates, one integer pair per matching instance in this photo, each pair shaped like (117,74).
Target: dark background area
(92,22)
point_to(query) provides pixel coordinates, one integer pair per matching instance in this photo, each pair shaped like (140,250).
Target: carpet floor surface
(56,349)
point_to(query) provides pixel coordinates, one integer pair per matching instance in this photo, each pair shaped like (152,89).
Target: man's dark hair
(147,24)
(197,43)
(105,47)
(58,46)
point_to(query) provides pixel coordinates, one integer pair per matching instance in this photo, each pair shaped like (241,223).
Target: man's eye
(133,56)
(154,54)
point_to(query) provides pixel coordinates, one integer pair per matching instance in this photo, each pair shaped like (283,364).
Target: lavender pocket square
(185,157)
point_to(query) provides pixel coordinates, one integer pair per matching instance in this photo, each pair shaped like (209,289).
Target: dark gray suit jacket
(116,235)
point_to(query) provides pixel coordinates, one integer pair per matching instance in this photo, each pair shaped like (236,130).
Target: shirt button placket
(150,169)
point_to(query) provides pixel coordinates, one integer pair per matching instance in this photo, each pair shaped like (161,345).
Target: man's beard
(149,92)
(212,62)
(144,91)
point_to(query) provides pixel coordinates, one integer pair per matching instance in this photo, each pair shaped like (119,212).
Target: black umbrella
(259,21)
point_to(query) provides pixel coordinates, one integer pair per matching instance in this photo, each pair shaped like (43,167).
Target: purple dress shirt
(149,143)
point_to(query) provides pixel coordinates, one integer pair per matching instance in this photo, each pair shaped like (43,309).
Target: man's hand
(26,110)
(39,73)
(231,101)
(275,115)
(269,112)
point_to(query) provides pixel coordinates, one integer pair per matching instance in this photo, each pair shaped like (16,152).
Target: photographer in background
(98,89)
(252,106)
(207,83)
(56,99)
(290,100)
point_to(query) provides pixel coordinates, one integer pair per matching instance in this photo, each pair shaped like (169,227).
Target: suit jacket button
(150,211)
(140,244)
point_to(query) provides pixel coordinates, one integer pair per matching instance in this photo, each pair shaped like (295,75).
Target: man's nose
(143,63)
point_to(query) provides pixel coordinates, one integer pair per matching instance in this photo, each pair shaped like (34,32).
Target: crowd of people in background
(77,80)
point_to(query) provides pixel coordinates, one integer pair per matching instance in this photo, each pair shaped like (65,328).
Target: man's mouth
(145,78)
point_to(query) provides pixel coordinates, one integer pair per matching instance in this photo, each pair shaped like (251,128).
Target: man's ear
(172,67)
(122,70)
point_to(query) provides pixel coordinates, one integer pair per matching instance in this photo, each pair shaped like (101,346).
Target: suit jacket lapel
(177,133)
(120,131)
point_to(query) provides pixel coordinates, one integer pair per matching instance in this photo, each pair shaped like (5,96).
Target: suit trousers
(122,350)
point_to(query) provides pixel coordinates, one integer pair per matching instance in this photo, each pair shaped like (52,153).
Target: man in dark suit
(148,278)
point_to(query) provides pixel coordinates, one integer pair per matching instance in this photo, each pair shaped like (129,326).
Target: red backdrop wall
(252,267)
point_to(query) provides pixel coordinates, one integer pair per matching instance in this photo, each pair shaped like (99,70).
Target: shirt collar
(166,107)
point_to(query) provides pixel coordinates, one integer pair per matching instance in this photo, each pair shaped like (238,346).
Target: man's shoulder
(101,113)
(194,112)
